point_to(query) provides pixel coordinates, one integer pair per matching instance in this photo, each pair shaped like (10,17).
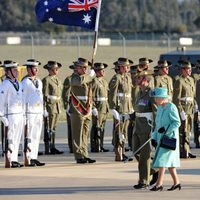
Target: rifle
(2,137)
(97,133)
(27,149)
(47,136)
(118,142)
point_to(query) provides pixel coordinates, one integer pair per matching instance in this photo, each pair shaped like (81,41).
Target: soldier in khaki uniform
(100,108)
(144,108)
(163,79)
(52,91)
(144,64)
(120,104)
(80,110)
(196,77)
(184,93)
(135,89)
(67,103)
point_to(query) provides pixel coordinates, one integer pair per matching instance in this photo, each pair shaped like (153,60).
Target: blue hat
(160,92)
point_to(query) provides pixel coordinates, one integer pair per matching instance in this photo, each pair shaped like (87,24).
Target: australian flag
(68,12)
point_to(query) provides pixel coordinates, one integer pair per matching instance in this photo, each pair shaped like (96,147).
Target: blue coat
(167,116)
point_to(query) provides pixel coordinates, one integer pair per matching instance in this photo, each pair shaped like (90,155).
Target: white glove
(5,121)
(115,114)
(67,111)
(121,137)
(45,113)
(183,115)
(94,112)
(91,72)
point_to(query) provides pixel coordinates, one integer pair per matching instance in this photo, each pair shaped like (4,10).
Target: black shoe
(154,178)
(174,187)
(197,146)
(37,162)
(40,153)
(127,149)
(141,186)
(104,150)
(81,161)
(54,151)
(89,160)
(126,158)
(94,150)
(191,155)
(155,188)
(183,155)
(15,164)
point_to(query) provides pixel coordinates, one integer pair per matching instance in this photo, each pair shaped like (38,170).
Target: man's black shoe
(40,153)
(89,160)
(127,149)
(104,150)
(140,186)
(126,158)
(54,151)
(154,178)
(191,155)
(15,164)
(183,155)
(81,161)
(95,150)
(37,162)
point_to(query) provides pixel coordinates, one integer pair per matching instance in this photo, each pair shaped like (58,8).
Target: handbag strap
(166,130)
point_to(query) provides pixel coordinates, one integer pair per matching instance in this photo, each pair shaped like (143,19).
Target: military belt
(53,97)
(101,99)
(147,115)
(186,99)
(124,95)
(85,98)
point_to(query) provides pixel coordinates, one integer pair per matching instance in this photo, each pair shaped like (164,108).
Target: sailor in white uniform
(11,109)
(33,99)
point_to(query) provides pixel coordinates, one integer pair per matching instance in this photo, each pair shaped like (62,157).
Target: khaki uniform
(66,103)
(52,90)
(120,88)
(184,93)
(144,107)
(164,81)
(100,102)
(80,122)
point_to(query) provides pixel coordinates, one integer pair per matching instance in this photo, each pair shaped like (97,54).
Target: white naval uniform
(33,99)
(11,107)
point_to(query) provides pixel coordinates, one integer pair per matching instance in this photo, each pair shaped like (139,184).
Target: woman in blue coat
(168,119)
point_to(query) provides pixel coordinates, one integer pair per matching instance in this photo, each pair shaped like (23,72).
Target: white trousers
(34,132)
(15,130)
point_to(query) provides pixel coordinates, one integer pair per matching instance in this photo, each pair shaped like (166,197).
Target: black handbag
(167,142)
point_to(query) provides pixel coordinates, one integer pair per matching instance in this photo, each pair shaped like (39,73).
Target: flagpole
(96,32)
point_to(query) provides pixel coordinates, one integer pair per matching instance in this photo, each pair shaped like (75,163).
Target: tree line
(116,15)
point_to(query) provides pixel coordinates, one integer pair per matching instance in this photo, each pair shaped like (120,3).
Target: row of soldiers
(86,92)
